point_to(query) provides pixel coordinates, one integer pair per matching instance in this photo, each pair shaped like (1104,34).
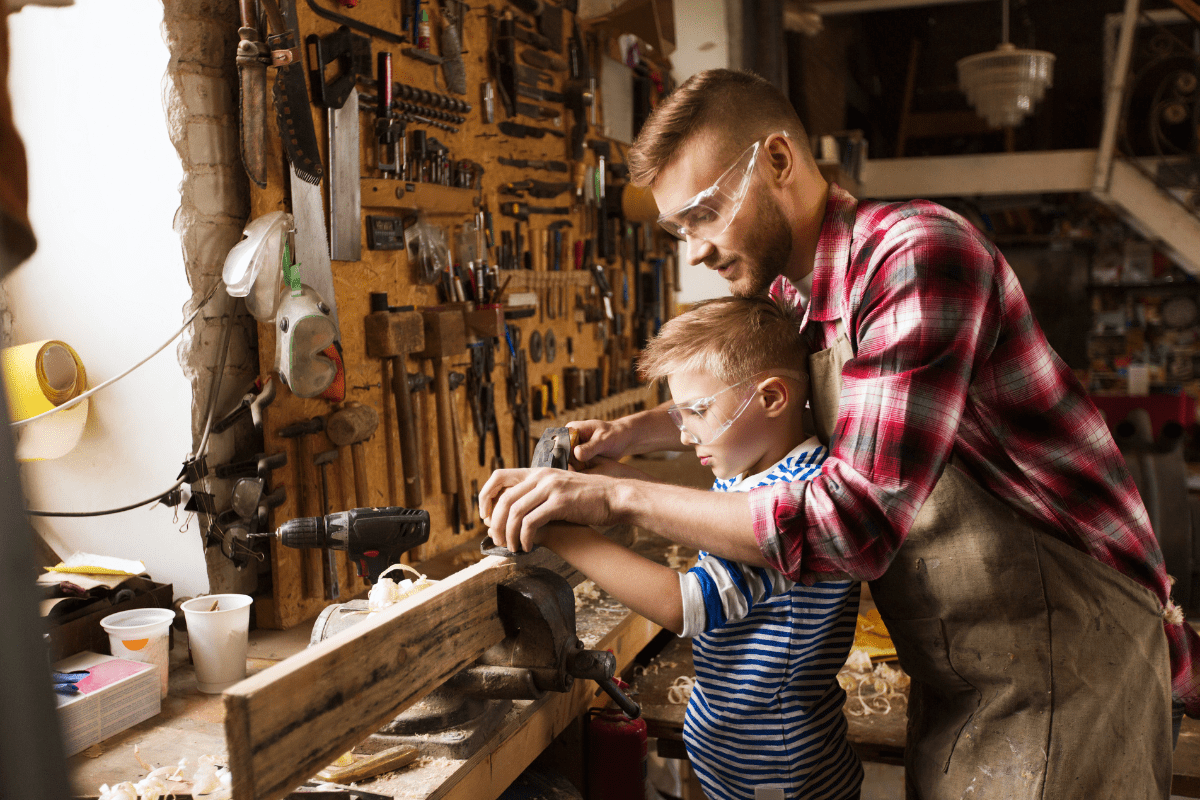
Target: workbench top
(191,724)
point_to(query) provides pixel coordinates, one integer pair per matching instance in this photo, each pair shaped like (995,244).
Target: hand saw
(292,109)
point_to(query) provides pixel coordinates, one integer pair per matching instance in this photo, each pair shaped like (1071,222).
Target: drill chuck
(303,532)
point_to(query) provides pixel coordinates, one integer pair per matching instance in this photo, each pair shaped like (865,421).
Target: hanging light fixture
(1006,83)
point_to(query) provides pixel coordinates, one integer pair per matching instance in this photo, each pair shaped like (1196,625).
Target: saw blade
(312,248)
(293,109)
(345,175)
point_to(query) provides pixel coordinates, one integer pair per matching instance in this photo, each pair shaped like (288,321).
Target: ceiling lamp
(1004,84)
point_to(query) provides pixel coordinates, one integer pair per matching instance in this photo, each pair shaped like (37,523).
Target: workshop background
(138,191)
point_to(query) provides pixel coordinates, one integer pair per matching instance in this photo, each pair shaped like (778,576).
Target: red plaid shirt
(949,360)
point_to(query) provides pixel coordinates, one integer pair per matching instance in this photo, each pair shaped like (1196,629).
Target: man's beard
(766,253)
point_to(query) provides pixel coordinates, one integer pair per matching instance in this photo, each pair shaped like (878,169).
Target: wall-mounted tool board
(569,308)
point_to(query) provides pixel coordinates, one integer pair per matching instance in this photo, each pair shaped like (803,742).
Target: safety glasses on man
(704,419)
(709,213)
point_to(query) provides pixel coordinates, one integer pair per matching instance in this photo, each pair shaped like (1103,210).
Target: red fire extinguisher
(616,755)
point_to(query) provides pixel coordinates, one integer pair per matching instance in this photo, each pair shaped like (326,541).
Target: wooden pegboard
(565,294)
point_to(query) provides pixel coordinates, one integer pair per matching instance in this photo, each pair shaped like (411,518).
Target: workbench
(191,724)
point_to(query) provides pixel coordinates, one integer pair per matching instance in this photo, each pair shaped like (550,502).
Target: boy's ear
(776,396)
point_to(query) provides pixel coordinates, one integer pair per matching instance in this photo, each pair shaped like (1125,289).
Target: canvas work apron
(1037,671)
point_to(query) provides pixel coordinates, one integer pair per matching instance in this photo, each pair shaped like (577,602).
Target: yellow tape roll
(40,376)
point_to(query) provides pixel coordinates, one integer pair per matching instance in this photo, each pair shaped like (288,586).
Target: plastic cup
(142,635)
(218,639)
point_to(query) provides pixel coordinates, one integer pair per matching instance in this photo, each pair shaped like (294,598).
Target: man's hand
(515,503)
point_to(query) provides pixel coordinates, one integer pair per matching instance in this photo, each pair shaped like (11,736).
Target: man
(969,477)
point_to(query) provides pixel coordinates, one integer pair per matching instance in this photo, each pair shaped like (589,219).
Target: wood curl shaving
(209,782)
(872,689)
(584,593)
(674,560)
(386,592)
(679,692)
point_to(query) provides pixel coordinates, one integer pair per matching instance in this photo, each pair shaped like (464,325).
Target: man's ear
(781,156)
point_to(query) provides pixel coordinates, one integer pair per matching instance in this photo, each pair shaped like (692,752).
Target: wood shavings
(210,782)
(584,593)
(674,560)
(680,691)
(871,690)
(122,791)
(387,592)
(141,761)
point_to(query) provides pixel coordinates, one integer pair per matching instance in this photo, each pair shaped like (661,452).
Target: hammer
(392,334)
(350,426)
(445,336)
(298,431)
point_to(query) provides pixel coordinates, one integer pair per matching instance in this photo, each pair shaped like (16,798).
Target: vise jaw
(540,652)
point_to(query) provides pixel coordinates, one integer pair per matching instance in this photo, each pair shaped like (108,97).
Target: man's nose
(698,249)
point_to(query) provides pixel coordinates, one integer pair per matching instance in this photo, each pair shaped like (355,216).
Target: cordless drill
(374,538)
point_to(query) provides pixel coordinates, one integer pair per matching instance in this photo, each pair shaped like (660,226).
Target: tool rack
(567,298)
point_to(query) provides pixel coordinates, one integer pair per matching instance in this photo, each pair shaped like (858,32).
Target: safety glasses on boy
(709,213)
(704,419)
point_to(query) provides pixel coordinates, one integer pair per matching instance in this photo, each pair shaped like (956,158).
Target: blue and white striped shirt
(765,718)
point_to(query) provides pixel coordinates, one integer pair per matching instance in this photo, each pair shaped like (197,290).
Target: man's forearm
(718,522)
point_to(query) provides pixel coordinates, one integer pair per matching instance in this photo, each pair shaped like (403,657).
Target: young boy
(765,717)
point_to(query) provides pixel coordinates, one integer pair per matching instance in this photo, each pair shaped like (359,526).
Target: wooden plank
(287,722)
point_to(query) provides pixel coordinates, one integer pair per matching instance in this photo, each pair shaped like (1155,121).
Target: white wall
(108,275)
(701,42)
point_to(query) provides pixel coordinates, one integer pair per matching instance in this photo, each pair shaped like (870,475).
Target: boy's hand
(599,437)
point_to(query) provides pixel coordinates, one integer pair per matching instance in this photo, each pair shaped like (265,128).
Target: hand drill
(374,538)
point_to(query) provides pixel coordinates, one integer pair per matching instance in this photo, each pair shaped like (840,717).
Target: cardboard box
(84,632)
(118,694)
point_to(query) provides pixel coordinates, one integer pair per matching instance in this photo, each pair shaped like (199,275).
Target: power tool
(374,538)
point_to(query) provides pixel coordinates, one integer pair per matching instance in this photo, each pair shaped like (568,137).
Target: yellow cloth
(872,635)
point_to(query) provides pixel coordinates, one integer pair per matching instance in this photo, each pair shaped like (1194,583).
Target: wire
(212,404)
(79,399)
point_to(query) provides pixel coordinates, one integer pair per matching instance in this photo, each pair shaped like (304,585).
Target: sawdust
(871,689)
(420,779)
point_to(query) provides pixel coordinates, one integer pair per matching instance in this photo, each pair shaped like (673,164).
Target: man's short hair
(731,338)
(739,106)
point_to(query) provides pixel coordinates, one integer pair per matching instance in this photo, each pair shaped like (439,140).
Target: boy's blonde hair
(731,338)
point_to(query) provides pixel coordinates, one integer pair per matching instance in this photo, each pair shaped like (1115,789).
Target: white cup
(218,639)
(142,635)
